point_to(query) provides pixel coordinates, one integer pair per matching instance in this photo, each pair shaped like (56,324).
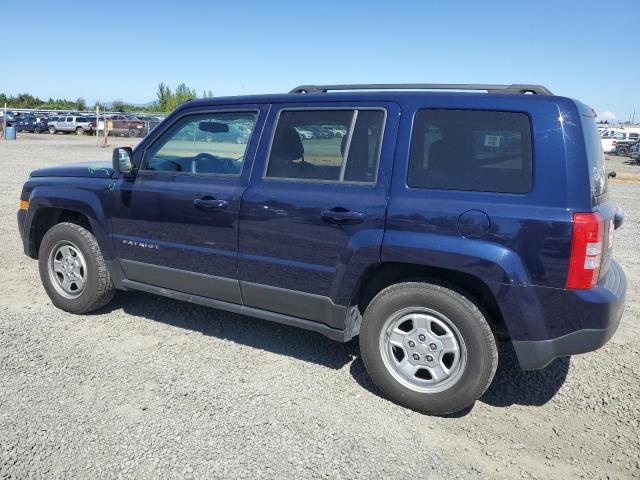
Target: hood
(86,169)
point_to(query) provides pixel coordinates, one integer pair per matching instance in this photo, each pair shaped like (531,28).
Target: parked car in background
(622,147)
(128,125)
(67,124)
(634,152)
(617,135)
(306,134)
(10,118)
(34,123)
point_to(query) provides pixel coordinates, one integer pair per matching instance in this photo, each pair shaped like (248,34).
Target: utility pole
(97,125)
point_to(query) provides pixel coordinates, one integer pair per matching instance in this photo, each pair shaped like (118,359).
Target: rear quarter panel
(528,240)
(531,231)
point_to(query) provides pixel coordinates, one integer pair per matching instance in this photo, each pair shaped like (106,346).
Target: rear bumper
(538,354)
(547,323)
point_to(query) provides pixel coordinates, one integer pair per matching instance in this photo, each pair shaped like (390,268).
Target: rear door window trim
(348,107)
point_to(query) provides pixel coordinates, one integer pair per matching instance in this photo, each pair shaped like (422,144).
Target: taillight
(586,251)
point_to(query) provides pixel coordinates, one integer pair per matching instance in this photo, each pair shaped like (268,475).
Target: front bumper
(547,323)
(22,215)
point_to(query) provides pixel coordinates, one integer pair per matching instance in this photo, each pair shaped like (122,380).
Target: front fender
(83,201)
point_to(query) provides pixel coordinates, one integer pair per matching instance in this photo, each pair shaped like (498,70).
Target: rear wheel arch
(380,276)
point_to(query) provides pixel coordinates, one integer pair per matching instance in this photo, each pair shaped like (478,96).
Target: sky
(124,49)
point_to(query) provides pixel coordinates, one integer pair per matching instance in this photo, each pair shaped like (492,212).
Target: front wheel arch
(47,217)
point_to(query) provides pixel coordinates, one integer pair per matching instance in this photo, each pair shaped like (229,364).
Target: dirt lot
(155,388)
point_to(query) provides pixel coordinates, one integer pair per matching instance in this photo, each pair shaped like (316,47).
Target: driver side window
(213,143)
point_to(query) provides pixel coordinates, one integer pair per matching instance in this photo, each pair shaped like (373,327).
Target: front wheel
(36,129)
(79,131)
(427,347)
(133,132)
(72,269)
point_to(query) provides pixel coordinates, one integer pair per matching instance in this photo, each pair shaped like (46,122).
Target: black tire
(79,131)
(52,130)
(622,151)
(36,129)
(479,341)
(133,133)
(98,289)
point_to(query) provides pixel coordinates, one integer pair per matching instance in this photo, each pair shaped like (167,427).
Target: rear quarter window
(471,150)
(595,156)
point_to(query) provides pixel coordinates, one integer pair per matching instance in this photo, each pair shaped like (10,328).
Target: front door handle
(340,216)
(210,204)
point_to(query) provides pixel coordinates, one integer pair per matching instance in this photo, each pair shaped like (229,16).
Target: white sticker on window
(492,140)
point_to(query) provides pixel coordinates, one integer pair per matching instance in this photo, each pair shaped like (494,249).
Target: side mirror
(122,160)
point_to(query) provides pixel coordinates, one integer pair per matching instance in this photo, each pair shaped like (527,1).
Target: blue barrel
(11,133)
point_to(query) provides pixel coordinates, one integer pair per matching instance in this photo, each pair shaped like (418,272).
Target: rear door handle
(343,217)
(210,204)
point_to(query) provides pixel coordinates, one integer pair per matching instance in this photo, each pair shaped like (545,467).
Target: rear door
(312,217)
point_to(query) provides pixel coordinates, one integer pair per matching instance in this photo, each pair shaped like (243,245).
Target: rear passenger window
(328,145)
(471,150)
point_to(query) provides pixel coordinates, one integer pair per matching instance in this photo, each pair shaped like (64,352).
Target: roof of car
(353,96)
(385,92)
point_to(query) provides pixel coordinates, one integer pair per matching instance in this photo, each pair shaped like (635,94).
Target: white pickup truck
(70,123)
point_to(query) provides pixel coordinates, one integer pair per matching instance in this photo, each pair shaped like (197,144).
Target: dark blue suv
(35,123)
(431,223)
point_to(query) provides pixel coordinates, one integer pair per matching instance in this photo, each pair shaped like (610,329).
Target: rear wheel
(428,347)
(36,129)
(622,151)
(72,269)
(52,130)
(133,132)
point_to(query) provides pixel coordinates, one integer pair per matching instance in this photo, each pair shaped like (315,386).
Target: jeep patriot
(428,222)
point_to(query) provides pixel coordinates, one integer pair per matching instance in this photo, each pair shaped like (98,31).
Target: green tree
(164,98)
(118,106)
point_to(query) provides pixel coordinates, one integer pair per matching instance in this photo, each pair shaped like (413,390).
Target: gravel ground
(155,388)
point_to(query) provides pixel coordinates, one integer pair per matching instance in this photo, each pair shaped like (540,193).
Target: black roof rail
(514,88)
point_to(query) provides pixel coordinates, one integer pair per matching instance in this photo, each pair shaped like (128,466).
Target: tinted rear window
(327,145)
(595,156)
(471,150)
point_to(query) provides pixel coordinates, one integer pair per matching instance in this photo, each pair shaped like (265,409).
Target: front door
(66,124)
(175,224)
(312,217)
